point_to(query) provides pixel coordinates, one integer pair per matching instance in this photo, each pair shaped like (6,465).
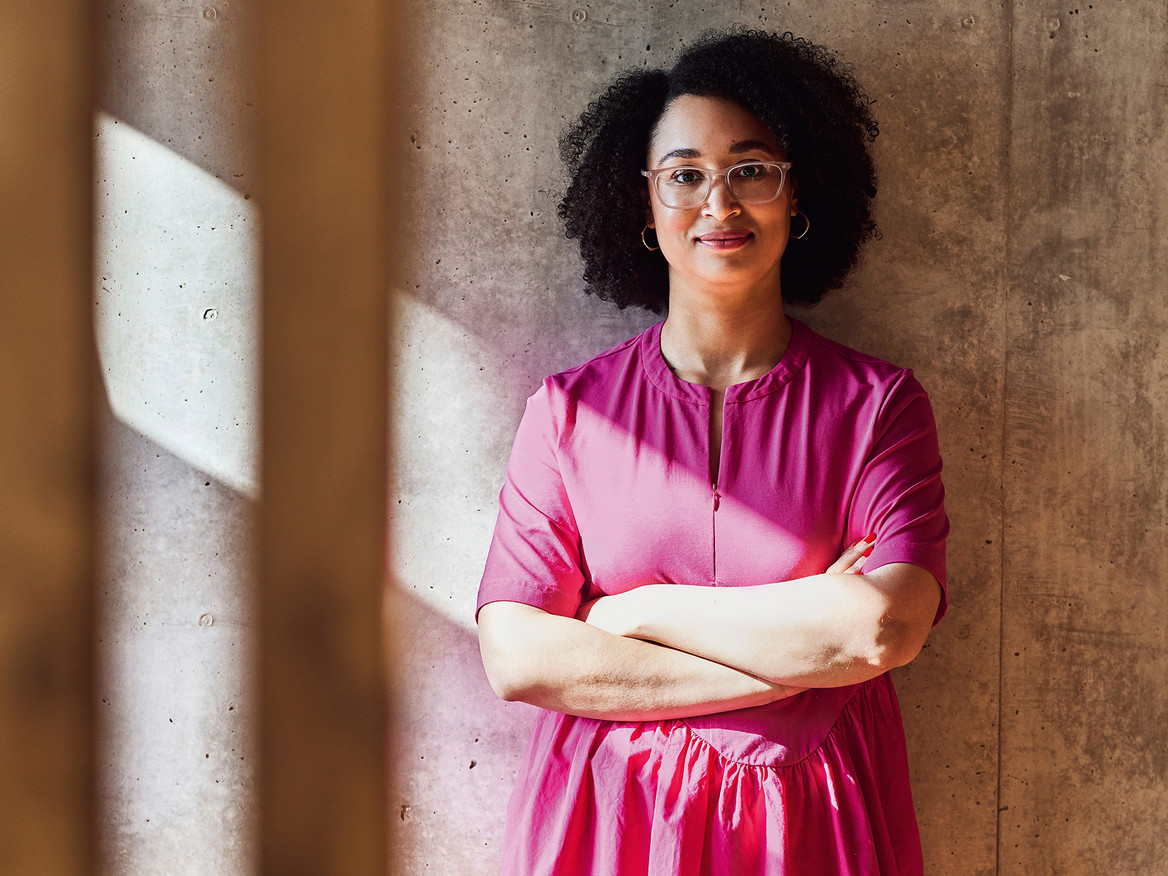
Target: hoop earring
(650,248)
(806,227)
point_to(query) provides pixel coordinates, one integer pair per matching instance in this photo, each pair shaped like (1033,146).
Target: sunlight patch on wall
(447,477)
(177,274)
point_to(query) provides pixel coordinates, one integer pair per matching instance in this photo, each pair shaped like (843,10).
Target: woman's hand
(851,561)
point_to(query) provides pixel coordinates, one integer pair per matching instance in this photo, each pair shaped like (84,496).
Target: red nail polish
(868,551)
(870,537)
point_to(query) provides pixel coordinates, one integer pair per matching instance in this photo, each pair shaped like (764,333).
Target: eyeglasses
(751,182)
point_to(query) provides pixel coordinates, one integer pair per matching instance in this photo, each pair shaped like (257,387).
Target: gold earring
(650,248)
(806,227)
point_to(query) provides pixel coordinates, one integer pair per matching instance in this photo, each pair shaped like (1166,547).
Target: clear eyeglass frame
(700,196)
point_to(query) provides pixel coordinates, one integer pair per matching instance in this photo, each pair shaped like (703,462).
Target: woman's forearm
(568,666)
(821,631)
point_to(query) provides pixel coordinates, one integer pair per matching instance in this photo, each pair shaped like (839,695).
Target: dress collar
(660,374)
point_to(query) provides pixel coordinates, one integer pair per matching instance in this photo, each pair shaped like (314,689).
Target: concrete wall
(176,317)
(190,96)
(1023,168)
(1023,172)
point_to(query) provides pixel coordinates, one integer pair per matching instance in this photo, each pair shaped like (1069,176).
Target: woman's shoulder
(829,357)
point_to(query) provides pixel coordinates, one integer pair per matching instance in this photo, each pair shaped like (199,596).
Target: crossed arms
(670,651)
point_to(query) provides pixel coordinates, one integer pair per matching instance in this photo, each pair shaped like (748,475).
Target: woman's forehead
(695,127)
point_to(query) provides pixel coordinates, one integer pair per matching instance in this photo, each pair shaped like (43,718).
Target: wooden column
(46,390)
(324,77)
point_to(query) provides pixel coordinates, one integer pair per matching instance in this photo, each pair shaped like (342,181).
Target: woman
(678,569)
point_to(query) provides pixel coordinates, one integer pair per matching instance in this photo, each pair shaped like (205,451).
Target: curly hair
(805,96)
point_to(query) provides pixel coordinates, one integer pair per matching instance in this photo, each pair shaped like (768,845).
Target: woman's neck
(717,346)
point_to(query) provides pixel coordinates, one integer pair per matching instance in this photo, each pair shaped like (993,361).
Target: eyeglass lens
(749,183)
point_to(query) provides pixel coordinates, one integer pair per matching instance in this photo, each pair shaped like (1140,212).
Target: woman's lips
(724,240)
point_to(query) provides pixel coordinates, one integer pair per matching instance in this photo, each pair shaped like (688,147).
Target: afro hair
(804,95)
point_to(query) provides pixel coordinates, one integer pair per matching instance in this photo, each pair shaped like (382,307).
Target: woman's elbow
(898,644)
(901,634)
(507,665)
(904,620)
(507,686)
(504,670)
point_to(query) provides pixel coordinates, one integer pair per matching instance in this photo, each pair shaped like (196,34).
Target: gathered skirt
(814,785)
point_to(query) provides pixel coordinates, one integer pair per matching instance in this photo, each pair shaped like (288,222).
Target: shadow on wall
(176,632)
(181,74)
(455,747)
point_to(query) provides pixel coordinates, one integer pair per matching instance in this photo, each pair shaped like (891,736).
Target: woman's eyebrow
(735,149)
(750,146)
(681,153)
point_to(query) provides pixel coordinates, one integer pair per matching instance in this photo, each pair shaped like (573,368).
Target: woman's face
(720,246)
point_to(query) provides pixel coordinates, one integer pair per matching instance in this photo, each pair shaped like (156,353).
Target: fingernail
(870,537)
(868,551)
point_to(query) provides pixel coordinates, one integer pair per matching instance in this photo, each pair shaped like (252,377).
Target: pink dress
(607,489)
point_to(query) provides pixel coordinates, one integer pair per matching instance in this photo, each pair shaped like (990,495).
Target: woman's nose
(720,202)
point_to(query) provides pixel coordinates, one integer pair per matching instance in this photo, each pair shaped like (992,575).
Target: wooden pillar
(324,109)
(47,367)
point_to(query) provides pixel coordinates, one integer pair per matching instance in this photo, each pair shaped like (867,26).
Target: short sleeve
(535,556)
(899,495)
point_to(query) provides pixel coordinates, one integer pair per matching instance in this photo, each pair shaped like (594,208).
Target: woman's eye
(686,176)
(752,171)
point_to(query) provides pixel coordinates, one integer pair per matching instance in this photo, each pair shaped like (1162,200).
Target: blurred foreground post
(324,77)
(47,380)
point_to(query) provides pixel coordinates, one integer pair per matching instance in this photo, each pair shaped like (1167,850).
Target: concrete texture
(1022,178)
(177,327)
(181,73)
(1084,752)
(1023,175)
(176,313)
(177,708)
(176,324)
